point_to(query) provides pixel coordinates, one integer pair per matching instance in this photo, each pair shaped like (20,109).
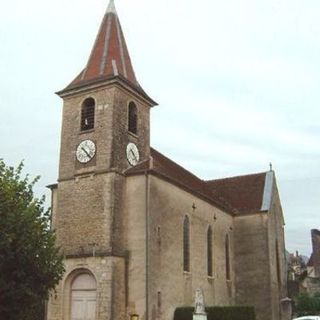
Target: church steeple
(109,56)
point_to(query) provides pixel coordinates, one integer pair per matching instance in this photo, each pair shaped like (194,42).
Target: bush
(218,313)
(307,304)
(183,313)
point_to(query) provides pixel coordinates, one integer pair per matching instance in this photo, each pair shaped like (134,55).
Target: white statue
(199,302)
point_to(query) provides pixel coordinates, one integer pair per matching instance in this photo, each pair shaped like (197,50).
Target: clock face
(85,151)
(132,154)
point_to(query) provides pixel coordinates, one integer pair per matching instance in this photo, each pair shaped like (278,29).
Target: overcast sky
(237,82)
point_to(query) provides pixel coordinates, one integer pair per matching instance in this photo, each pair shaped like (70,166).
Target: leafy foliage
(218,313)
(307,304)
(30,264)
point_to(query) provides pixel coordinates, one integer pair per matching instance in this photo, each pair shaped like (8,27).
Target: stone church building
(139,232)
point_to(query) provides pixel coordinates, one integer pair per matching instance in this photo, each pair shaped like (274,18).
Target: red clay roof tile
(242,194)
(109,56)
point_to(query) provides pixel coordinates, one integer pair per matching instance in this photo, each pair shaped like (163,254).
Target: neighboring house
(296,266)
(311,282)
(140,233)
(297,270)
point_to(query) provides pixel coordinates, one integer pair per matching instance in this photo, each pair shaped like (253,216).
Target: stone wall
(135,242)
(277,260)
(110,131)
(109,275)
(168,285)
(71,135)
(252,272)
(120,129)
(83,216)
(260,265)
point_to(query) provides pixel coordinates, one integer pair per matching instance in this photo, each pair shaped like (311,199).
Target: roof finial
(270,164)
(111,7)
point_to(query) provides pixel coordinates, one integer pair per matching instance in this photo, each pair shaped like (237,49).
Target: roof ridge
(235,177)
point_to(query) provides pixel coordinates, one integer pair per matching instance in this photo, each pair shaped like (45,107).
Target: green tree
(30,263)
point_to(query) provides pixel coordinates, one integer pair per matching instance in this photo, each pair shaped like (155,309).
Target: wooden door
(83,298)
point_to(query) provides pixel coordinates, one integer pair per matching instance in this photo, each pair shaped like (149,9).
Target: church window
(227,253)
(87,114)
(159,302)
(132,118)
(159,235)
(278,263)
(209,252)
(186,244)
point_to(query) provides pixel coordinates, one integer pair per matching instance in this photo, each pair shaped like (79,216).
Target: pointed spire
(111,7)
(109,56)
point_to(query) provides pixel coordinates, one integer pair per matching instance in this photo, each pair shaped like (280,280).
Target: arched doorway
(83,297)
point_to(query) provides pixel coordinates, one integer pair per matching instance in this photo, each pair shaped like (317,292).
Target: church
(140,234)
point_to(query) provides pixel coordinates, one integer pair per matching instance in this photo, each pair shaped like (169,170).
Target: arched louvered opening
(133,118)
(186,244)
(87,114)
(227,253)
(209,252)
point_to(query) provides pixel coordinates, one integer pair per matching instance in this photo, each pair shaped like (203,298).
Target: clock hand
(135,158)
(86,152)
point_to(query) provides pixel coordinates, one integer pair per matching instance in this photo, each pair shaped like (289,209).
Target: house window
(186,244)
(132,118)
(87,114)
(227,253)
(209,252)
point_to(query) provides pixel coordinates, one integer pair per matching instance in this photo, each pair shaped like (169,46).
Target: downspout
(147,199)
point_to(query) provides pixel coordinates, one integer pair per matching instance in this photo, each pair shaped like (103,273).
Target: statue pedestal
(201,316)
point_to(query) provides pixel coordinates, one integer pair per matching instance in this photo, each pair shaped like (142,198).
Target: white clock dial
(132,154)
(85,151)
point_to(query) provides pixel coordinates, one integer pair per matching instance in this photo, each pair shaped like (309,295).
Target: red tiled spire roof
(109,56)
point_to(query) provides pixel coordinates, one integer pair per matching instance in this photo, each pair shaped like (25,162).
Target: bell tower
(105,130)
(106,105)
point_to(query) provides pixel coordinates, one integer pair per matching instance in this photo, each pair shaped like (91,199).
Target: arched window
(159,235)
(278,263)
(209,252)
(186,244)
(87,114)
(227,252)
(83,297)
(132,118)
(159,302)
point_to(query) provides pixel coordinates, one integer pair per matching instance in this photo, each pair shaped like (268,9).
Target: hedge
(218,313)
